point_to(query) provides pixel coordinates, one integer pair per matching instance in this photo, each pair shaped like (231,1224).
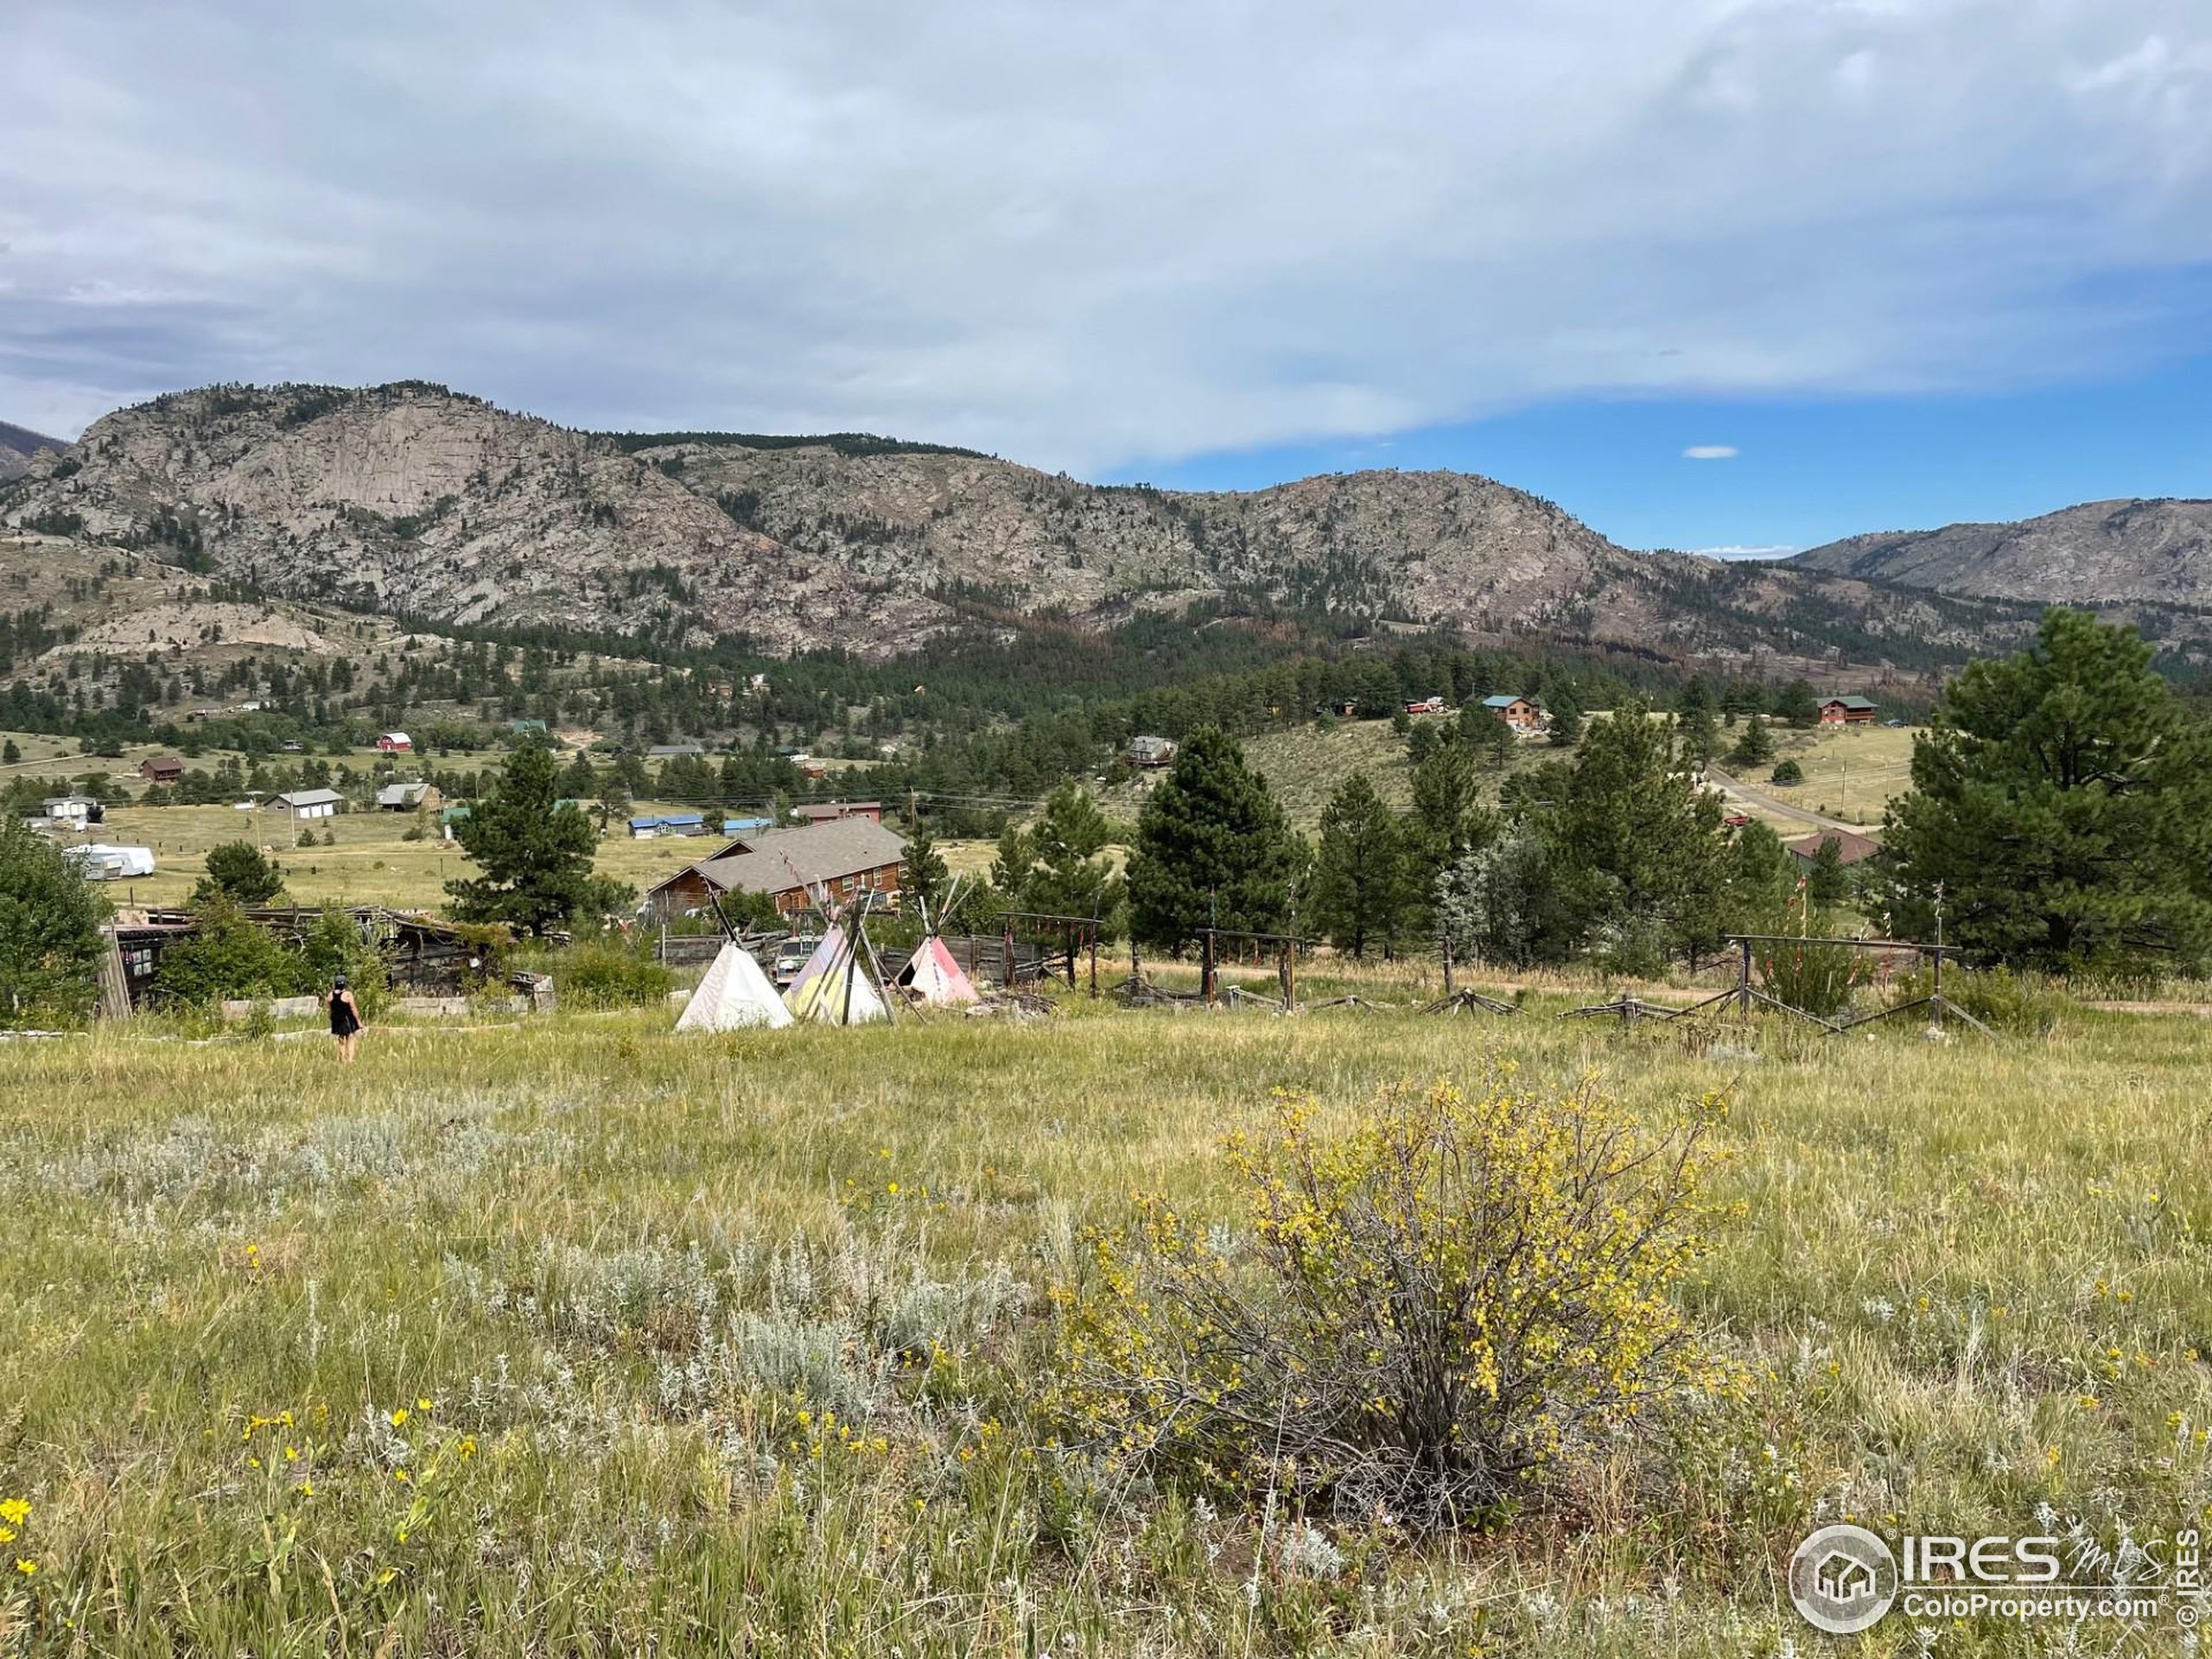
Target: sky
(1740,275)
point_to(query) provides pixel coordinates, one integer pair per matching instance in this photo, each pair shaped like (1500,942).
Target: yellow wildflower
(399,1418)
(25,1567)
(15,1511)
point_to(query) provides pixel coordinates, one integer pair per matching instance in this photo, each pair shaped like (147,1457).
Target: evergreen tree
(925,877)
(1057,866)
(239,870)
(1755,747)
(1760,876)
(580,781)
(1211,844)
(1827,884)
(1641,842)
(1695,733)
(2062,800)
(1449,818)
(1794,703)
(1566,711)
(50,943)
(1359,890)
(9,754)
(536,860)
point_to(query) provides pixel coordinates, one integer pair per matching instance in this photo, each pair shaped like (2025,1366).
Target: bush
(609,977)
(1817,978)
(50,942)
(1789,772)
(1432,1310)
(2026,1003)
(229,956)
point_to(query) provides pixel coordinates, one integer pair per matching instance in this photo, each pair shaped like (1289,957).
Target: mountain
(429,506)
(18,444)
(2152,552)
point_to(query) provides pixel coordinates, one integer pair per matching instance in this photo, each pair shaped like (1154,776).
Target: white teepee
(832,988)
(734,994)
(935,978)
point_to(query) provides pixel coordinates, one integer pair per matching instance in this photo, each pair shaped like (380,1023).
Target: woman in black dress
(345,1018)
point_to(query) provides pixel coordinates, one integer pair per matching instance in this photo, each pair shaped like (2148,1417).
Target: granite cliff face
(2154,552)
(420,503)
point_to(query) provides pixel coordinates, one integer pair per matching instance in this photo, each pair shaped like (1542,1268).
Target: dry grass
(619,1264)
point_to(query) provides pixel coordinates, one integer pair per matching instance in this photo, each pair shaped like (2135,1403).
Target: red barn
(396,743)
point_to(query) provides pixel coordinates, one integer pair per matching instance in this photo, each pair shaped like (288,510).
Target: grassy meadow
(580,1336)
(370,861)
(1851,772)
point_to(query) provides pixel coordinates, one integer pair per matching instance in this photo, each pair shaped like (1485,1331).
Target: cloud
(1711,452)
(1095,236)
(1776,550)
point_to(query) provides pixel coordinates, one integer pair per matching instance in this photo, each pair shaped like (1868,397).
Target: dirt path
(1760,797)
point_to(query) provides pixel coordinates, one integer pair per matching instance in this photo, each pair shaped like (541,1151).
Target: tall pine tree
(1360,890)
(2063,801)
(1212,845)
(535,859)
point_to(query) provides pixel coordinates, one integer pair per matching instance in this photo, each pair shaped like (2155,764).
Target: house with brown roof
(831,811)
(161,768)
(1847,711)
(840,859)
(1855,850)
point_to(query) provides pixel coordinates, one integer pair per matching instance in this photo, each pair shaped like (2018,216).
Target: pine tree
(1359,887)
(239,870)
(1058,866)
(925,877)
(580,781)
(1794,703)
(1566,716)
(535,859)
(1641,842)
(1827,883)
(1695,734)
(1212,848)
(1755,747)
(2063,801)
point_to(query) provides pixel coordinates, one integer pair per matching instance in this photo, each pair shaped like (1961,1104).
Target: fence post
(1205,968)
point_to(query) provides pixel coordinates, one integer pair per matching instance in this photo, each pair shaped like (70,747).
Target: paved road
(1760,797)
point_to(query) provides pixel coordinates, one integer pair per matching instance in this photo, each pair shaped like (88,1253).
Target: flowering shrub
(1426,1313)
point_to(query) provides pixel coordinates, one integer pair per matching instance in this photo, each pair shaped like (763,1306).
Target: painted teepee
(936,979)
(832,988)
(734,994)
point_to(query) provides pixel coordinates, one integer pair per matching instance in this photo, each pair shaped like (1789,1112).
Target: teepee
(734,994)
(934,978)
(831,988)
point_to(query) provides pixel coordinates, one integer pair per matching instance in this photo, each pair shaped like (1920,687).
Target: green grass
(1851,772)
(370,864)
(618,1264)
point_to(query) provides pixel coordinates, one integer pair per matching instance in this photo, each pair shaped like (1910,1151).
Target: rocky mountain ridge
(2157,552)
(417,502)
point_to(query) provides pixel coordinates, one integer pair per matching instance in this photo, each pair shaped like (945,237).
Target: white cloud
(1775,550)
(1090,236)
(1711,452)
